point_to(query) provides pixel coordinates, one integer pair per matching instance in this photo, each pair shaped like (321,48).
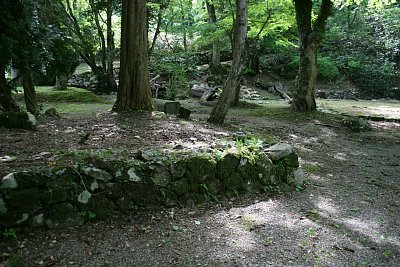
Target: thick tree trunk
(310,36)
(29,91)
(61,82)
(6,101)
(134,87)
(220,110)
(215,65)
(304,96)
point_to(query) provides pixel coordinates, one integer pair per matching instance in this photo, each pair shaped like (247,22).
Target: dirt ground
(347,215)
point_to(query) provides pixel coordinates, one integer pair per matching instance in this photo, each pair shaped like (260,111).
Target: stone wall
(94,188)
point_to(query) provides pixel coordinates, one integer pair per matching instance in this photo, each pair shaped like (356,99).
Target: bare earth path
(347,215)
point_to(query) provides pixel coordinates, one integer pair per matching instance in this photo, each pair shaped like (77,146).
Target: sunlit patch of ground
(388,109)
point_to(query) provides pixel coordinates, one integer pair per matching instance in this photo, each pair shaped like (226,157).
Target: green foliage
(364,47)
(88,214)
(10,233)
(327,70)
(175,69)
(374,78)
(16,261)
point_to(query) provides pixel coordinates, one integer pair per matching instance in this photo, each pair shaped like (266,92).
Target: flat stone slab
(278,151)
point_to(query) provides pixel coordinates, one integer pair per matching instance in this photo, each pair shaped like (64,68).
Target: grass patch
(311,168)
(91,109)
(72,95)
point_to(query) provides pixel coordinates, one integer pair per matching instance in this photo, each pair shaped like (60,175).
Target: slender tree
(134,87)
(220,110)
(310,35)
(215,65)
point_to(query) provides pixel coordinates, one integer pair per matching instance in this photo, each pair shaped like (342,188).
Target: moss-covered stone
(143,193)
(161,176)
(168,198)
(214,186)
(96,161)
(124,203)
(63,215)
(178,168)
(55,195)
(265,169)
(181,187)
(280,172)
(247,170)
(227,166)
(18,120)
(26,200)
(233,182)
(199,169)
(100,205)
(191,199)
(291,160)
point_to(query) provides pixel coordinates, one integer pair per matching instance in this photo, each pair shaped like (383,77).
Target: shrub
(372,78)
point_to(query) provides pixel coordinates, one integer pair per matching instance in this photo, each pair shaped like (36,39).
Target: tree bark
(310,36)
(102,38)
(61,82)
(134,87)
(110,47)
(29,91)
(6,101)
(215,65)
(163,6)
(220,110)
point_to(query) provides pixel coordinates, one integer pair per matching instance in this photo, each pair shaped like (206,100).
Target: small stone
(38,220)
(133,176)
(296,178)
(8,182)
(84,197)
(97,174)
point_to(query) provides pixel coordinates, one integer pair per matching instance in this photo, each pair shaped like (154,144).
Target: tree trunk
(163,6)
(102,38)
(6,101)
(61,82)
(29,91)
(134,87)
(310,36)
(215,65)
(110,48)
(220,110)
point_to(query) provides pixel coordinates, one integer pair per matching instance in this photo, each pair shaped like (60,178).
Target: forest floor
(348,213)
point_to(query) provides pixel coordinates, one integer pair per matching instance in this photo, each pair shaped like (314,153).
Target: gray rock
(296,178)
(161,176)
(38,220)
(84,197)
(133,177)
(8,182)
(178,168)
(97,174)
(3,207)
(63,215)
(278,151)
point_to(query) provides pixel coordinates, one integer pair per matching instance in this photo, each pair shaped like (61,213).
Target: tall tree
(134,87)
(310,37)
(220,110)
(215,65)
